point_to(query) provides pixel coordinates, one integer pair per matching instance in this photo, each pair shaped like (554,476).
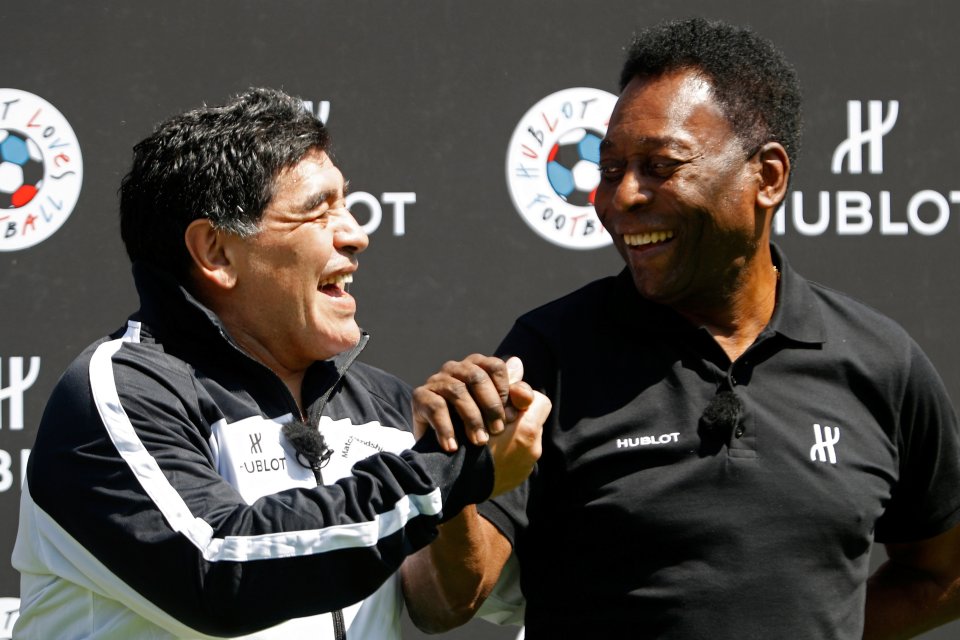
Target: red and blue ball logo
(21,169)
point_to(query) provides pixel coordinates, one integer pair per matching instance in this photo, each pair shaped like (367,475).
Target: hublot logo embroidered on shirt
(262,465)
(826,438)
(645,441)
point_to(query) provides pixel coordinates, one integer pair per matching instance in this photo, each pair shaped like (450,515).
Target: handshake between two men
(497,408)
(446,582)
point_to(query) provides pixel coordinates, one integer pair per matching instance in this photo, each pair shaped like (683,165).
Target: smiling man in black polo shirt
(727,439)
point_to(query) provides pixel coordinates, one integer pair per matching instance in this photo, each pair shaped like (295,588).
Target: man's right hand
(517,448)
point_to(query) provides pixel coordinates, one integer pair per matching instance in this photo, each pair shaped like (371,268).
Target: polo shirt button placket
(731,379)
(739,430)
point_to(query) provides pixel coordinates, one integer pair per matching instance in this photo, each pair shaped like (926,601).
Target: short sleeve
(926,499)
(508,512)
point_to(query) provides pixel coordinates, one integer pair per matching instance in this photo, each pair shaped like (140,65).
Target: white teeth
(641,239)
(339,280)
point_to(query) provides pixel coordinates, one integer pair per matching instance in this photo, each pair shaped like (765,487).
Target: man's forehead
(658,110)
(314,165)
(674,92)
(313,156)
(306,185)
(683,74)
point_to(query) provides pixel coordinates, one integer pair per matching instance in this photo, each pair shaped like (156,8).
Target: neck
(291,371)
(256,343)
(737,317)
(291,376)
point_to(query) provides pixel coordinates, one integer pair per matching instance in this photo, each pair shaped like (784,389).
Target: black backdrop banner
(439,111)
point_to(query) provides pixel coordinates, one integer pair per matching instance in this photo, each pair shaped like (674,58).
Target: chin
(653,291)
(331,341)
(348,339)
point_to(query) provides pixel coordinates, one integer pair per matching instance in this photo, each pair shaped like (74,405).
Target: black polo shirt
(646,520)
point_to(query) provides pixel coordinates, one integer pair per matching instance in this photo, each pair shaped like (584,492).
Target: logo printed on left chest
(252,457)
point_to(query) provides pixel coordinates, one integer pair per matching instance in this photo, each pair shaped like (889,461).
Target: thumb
(515,369)
(520,395)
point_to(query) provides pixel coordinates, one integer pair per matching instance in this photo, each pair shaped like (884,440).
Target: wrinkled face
(291,276)
(678,191)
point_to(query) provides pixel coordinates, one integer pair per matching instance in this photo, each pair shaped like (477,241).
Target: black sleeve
(509,511)
(926,499)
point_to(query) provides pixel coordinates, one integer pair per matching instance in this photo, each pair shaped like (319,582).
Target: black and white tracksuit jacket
(163,501)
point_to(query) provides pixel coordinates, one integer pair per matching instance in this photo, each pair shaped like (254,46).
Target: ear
(774,175)
(211,260)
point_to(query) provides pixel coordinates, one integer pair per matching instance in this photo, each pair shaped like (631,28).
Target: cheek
(318,251)
(736,179)
(602,200)
(711,193)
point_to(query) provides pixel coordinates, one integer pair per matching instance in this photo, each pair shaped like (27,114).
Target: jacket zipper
(339,624)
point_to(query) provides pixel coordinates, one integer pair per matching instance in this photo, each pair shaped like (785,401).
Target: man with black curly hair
(727,439)
(224,465)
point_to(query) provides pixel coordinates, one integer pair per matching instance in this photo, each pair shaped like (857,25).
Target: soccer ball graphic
(573,166)
(21,169)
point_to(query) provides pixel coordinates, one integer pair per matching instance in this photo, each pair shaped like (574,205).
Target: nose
(634,190)
(349,236)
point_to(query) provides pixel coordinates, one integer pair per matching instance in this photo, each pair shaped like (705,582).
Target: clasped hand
(496,407)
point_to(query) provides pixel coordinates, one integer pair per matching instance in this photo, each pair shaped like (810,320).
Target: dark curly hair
(218,163)
(753,83)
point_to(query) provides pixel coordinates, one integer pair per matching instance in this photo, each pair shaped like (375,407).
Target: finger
(502,375)
(487,380)
(431,411)
(529,422)
(521,395)
(540,407)
(471,394)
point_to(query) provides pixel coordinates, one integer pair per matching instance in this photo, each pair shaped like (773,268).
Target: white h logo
(852,147)
(825,441)
(16,385)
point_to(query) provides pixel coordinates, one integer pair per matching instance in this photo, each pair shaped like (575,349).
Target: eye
(320,214)
(663,167)
(610,171)
(332,206)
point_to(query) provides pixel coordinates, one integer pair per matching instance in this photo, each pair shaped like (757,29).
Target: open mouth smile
(645,239)
(336,285)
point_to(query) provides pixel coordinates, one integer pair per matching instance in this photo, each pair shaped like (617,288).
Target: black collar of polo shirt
(797,316)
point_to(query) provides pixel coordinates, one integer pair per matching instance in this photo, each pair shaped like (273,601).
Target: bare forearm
(446,582)
(903,602)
